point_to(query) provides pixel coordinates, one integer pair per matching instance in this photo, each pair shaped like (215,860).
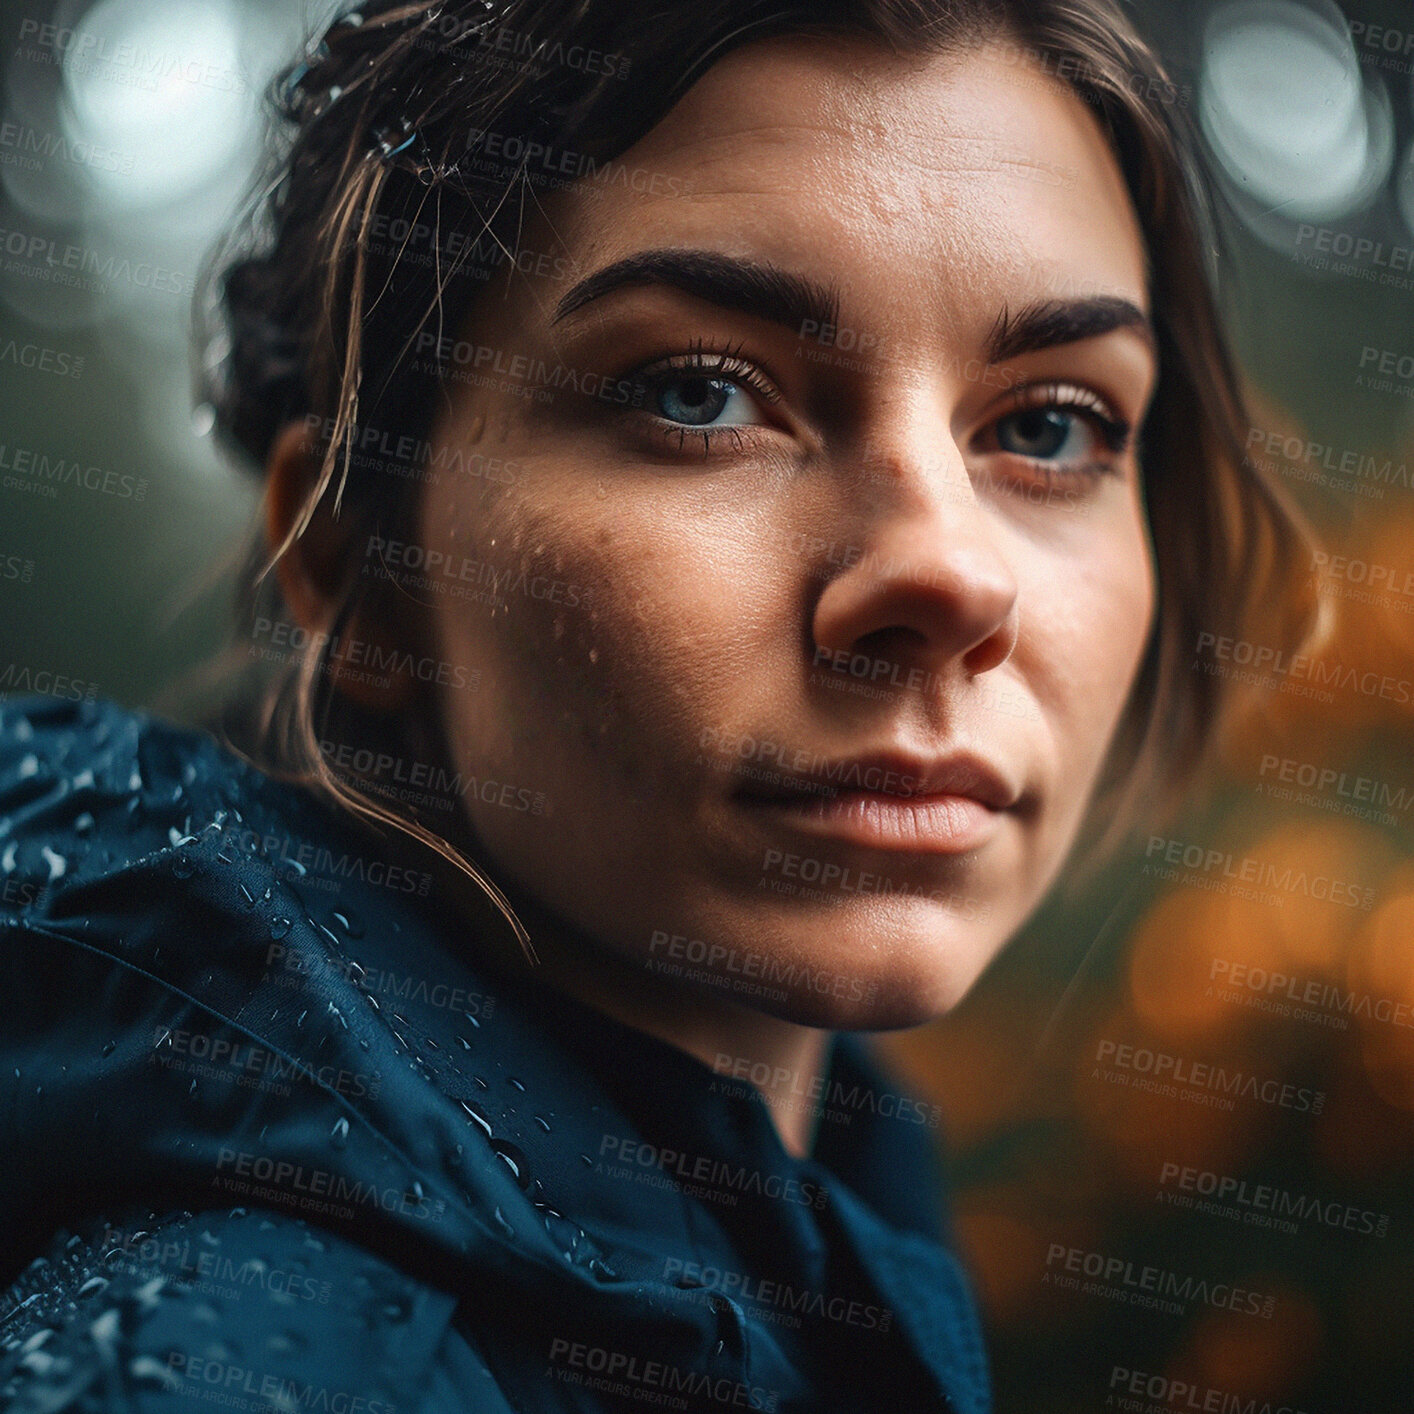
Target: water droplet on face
(340,1135)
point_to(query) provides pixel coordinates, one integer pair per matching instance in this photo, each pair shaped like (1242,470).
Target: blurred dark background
(128,135)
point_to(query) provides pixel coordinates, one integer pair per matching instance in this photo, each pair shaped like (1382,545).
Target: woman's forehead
(910,181)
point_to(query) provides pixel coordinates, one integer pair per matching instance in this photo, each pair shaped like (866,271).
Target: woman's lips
(916,824)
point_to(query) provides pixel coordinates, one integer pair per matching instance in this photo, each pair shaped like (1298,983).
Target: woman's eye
(703,400)
(1047,434)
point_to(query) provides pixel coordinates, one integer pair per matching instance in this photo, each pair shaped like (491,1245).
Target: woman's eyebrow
(1048,323)
(749,286)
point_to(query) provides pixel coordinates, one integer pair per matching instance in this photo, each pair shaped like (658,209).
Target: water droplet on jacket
(340,1135)
(600,1268)
(543,1123)
(246,895)
(347,920)
(513,1160)
(586,1161)
(58,865)
(182,866)
(108,1048)
(92,1287)
(279,927)
(472,1019)
(83,824)
(148,1372)
(503,1224)
(477,1115)
(29,766)
(515,1084)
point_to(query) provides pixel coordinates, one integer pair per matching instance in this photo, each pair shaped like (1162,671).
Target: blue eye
(697,400)
(1045,434)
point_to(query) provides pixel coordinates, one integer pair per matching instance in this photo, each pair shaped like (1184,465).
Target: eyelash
(699,360)
(1116,432)
(729,364)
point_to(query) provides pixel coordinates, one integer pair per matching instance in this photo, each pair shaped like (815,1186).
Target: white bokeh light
(1284,108)
(163,86)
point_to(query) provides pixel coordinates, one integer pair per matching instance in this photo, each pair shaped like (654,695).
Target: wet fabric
(275,1137)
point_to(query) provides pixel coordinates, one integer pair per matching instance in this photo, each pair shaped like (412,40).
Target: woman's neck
(784,1060)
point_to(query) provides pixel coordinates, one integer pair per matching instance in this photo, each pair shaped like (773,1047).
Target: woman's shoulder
(152,1313)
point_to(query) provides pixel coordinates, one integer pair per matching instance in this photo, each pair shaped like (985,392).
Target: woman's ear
(313,573)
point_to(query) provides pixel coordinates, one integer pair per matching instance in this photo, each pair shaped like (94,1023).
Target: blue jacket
(274,1137)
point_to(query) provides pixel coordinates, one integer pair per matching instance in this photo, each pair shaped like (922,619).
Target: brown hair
(383,139)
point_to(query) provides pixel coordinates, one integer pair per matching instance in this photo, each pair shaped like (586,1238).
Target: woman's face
(800,461)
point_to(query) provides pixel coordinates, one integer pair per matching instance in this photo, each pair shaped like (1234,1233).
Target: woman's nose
(932,581)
